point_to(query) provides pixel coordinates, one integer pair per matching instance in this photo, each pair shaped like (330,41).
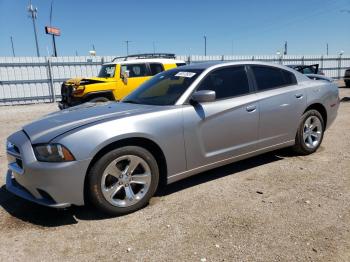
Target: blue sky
(232,27)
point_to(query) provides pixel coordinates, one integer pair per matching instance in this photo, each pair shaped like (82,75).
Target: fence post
(52,90)
(302,60)
(321,62)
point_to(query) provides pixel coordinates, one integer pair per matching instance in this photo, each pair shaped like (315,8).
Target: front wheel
(123,180)
(310,133)
(99,100)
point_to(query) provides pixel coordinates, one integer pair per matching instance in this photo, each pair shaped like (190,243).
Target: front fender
(164,128)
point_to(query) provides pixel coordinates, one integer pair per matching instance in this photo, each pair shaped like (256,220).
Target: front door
(224,128)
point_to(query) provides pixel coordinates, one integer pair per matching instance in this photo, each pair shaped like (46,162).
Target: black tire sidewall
(96,172)
(99,100)
(300,143)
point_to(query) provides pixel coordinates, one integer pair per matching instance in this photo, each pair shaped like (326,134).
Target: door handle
(299,96)
(251,108)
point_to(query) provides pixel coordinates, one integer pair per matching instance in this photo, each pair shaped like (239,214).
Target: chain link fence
(38,79)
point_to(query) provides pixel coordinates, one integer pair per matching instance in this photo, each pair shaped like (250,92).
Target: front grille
(15,159)
(19,163)
(66,92)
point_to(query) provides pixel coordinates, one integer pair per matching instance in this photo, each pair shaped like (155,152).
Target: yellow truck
(116,79)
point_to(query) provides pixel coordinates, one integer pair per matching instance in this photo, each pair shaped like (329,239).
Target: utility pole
(33,11)
(285,48)
(53,36)
(327,49)
(232,47)
(13,49)
(127,46)
(154,47)
(205,45)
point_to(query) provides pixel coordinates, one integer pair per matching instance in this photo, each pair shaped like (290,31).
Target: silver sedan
(179,123)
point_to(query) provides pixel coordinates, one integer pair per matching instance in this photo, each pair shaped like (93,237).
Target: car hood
(88,81)
(57,123)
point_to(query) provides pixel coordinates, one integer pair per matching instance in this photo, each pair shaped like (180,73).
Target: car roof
(208,65)
(147,60)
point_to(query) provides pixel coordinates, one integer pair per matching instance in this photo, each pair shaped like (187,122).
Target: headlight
(52,153)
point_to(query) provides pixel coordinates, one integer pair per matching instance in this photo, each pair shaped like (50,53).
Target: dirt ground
(275,207)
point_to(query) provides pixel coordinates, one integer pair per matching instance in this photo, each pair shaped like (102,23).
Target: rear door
(226,127)
(138,73)
(281,103)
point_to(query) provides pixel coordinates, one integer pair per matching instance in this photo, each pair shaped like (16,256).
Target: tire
(114,181)
(99,99)
(347,84)
(310,133)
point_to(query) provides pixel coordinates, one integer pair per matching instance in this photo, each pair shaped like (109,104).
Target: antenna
(33,11)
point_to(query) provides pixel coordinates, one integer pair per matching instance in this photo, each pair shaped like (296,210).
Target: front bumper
(68,99)
(63,105)
(56,185)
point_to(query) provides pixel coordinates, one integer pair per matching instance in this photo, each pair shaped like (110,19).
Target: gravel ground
(275,207)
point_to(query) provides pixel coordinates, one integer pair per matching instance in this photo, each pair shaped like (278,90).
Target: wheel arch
(145,143)
(321,109)
(106,94)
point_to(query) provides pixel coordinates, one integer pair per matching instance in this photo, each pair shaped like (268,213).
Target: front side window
(268,77)
(107,71)
(164,88)
(135,70)
(227,82)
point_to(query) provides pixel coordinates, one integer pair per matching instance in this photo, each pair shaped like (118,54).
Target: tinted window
(156,68)
(227,82)
(107,71)
(268,77)
(164,88)
(180,64)
(135,70)
(289,78)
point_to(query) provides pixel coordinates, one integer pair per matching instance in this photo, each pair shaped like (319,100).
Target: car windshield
(107,71)
(164,88)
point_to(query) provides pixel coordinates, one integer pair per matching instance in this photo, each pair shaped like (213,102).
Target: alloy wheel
(126,180)
(312,132)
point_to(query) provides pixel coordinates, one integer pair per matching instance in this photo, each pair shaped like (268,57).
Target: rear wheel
(310,133)
(123,180)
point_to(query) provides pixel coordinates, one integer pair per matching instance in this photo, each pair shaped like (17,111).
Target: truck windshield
(107,71)
(164,88)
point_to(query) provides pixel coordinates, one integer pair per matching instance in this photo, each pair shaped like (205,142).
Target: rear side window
(289,78)
(180,64)
(135,70)
(270,77)
(156,68)
(227,82)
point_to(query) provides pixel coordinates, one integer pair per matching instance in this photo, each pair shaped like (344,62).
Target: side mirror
(125,76)
(203,96)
